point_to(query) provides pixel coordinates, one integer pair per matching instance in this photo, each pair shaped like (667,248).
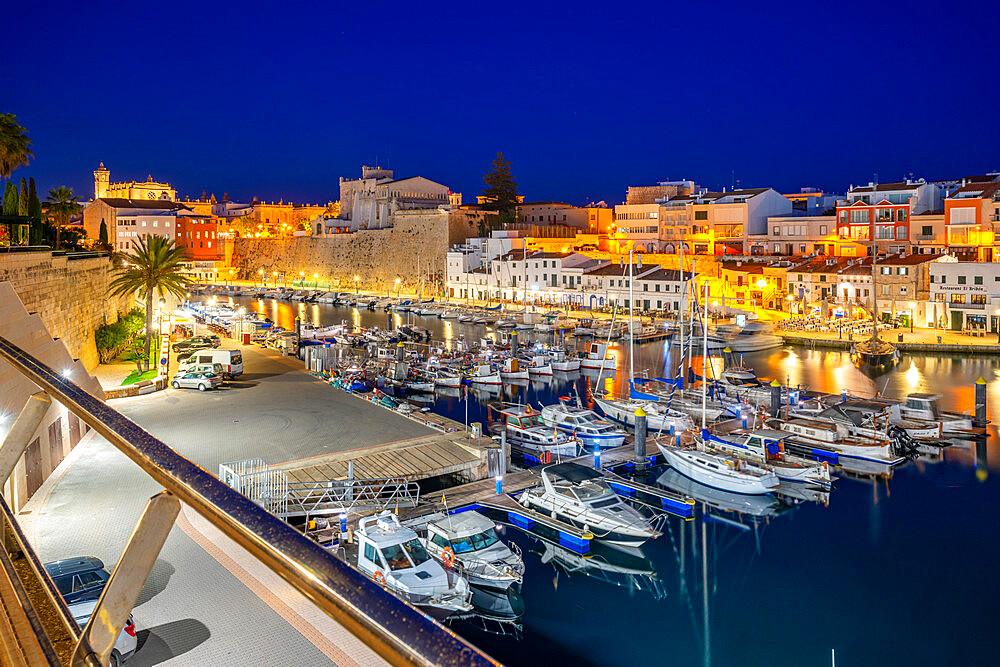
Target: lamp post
(398,281)
(913,313)
(315,280)
(263,281)
(357,288)
(761,284)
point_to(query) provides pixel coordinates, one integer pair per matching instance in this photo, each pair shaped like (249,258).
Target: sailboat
(874,352)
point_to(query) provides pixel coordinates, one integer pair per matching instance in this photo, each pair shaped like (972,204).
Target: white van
(230,360)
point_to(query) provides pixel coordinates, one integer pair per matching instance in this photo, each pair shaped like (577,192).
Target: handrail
(396,631)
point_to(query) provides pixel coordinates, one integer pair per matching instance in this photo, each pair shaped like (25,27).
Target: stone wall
(418,238)
(70,296)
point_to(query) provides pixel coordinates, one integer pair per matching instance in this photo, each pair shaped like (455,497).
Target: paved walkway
(208,602)
(919,335)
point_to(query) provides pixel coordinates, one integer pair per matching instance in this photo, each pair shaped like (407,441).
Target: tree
(10,199)
(61,205)
(150,267)
(501,189)
(15,146)
(102,237)
(22,198)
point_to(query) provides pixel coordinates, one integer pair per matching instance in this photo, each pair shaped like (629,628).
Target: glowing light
(67,372)
(761,284)
(912,375)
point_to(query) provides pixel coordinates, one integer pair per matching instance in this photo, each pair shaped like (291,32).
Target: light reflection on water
(856,576)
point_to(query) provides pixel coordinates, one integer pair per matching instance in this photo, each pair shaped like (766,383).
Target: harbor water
(895,568)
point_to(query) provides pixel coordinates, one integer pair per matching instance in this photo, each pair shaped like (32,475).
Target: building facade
(149,190)
(368,202)
(965,296)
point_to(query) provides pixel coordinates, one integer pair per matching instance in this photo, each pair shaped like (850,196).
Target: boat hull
(726,480)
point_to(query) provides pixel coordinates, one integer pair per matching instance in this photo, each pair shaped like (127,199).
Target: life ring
(448,556)
(379,578)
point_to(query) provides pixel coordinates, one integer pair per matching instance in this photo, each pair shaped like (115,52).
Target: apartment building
(971,216)
(721,222)
(882,212)
(965,295)
(636,226)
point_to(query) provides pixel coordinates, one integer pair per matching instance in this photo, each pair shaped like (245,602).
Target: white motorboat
(925,407)
(753,337)
(450,315)
(526,431)
(393,556)
(586,425)
(465,318)
(468,541)
(539,365)
(505,324)
(754,505)
(511,370)
(659,417)
(561,361)
(484,374)
(823,435)
(721,472)
(582,497)
(446,377)
(597,357)
(765,448)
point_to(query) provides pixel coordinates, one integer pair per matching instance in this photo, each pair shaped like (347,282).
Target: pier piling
(400,351)
(980,418)
(640,439)
(775,397)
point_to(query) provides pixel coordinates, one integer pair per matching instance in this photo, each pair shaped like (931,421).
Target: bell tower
(102,178)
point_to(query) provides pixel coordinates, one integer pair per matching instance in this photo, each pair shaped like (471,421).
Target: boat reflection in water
(727,501)
(494,611)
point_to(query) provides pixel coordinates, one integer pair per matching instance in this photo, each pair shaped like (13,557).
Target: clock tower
(102,178)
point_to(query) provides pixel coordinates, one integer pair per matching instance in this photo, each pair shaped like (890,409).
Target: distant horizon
(583,102)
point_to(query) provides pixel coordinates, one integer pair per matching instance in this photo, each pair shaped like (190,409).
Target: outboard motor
(900,442)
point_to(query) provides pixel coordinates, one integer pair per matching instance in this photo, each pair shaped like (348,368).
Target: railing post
(127,580)
(17,439)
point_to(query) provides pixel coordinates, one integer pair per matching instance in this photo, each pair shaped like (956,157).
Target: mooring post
(775,397)
(513,341)
(499,485)
(400,351)
(597,456)
(640,438)
(981,420)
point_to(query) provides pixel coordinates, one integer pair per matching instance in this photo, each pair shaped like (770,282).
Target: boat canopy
(571,472)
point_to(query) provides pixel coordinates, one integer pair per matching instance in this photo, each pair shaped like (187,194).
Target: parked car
(191,365)
(197,343)
(126,643)
(80,582)
(199,381)
(77,579)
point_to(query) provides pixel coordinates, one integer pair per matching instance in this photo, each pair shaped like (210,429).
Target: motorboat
(539,365)
(511,370)
(526,431)
(596,357)
(581,496)
(824,437)
(765,448)
(586,425)
(393,556)
(753,337)
(925,407)
(561,361)
(445,377)
(719,471)
(484,374)
(659,416)
(450,315)
(468,541)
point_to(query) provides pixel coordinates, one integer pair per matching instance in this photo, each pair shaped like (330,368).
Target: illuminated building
(883,211)
(971,215)
(369,202)
(965,296)
(148,190)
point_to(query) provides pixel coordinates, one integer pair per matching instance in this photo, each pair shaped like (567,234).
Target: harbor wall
(70,296)
(416,245)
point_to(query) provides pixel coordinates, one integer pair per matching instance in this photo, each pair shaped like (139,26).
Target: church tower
(102,178)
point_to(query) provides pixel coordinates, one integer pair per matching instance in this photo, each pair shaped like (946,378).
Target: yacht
(825,436)
(925,407)
(659,416)
(721,472)
(765,448)
(393,556)
(753,337)
(582,497)
(468,540)
(586,425)
(527,432)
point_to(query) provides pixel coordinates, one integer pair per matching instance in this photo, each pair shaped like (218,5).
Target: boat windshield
(475,542)
(531,420)
(592,489)
(395,558)
(417,552)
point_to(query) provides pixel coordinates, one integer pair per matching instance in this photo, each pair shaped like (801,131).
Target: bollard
(640,438)
(499,485)
(744,421)
(775,397)
(400,352)
(980,419)
(597,456)
(343,522)
(513,342)
(671,429)
(677,442)
(843,395)
(503,451)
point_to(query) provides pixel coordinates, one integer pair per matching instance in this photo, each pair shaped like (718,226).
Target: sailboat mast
(704,380)
(631,330)
(680,311)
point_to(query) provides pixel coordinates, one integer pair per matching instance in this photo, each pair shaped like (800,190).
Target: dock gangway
(37,628)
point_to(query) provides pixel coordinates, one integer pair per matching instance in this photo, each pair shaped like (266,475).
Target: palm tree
(61,204)
(15,146)
(150,267)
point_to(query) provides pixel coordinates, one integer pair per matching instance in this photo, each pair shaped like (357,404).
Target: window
(958,298)
(978,280)
(776,231)
(961,280)
(902,271)
(885,290)
(927,230)
(822,230)
(939,297)
(370,553)
(978,299)
(701,215)
(902,290)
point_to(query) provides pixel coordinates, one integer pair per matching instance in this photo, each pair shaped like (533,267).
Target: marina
(742,538)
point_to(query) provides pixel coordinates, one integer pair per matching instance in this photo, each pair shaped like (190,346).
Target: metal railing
(39,629)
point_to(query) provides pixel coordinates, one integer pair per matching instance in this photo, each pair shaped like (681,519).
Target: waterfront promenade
(919,340)
(207,602)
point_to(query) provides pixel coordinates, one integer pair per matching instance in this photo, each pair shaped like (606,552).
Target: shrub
(112,339)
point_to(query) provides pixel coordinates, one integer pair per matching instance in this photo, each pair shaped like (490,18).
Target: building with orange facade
(971,217)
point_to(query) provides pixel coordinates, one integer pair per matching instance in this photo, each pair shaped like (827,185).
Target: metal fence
(36,628)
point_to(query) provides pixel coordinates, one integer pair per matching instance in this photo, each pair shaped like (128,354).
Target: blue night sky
(271,100)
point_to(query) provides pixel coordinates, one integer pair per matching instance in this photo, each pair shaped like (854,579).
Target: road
(203,604)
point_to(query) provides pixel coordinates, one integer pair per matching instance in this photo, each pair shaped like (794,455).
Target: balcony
(923,237)
(967,306)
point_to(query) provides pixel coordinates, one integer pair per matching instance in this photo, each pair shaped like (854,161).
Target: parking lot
(203,604)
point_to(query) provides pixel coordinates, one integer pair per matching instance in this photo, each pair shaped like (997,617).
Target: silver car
(195,380)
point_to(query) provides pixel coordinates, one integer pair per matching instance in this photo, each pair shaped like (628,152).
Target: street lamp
(357,289)
(398,281)
(761,284)
(262,281)
(913,313)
